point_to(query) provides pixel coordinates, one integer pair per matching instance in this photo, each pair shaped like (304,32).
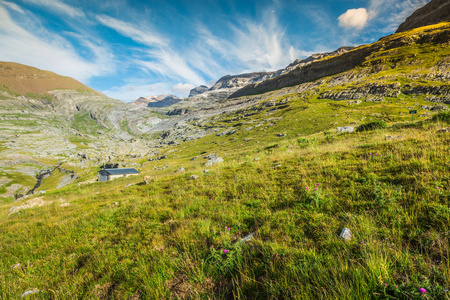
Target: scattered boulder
(346,234)
(354,102)
(178,112)
(30,292)
(29,204)
(181,169)
(246,238)
(213,159)
(280,135)
(444,130)
(345,129)
(205,171)
(115,203)
(194,177)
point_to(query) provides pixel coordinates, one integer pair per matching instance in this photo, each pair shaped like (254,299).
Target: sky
(129,48)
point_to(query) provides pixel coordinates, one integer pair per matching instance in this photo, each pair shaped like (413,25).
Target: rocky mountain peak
(434,12)
(198,90)
(145,101)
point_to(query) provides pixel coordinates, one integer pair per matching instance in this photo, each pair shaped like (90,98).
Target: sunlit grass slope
(177,237)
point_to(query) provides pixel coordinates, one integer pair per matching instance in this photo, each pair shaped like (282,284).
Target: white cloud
(13,6)
(132,32)
(50,52)
(354,19)
(60,7)
(182,89)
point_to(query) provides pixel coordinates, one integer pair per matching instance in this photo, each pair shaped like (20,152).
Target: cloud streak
(49,51)
(59,7)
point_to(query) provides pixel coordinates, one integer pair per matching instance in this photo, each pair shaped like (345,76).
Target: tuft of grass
(371,126)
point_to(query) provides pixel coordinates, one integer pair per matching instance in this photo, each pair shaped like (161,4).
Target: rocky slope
(434,12)
(330,66)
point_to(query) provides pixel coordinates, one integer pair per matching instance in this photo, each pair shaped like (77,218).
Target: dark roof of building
(121,171)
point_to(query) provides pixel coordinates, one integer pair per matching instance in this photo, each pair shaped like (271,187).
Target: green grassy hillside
(179,237)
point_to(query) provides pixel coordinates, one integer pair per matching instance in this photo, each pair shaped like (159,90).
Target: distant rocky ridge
(232,83)
(145,101)
(434,12)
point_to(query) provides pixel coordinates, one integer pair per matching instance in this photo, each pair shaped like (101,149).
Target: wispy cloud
(13,6)
(60,7)
(148,37)
(393,12)
(48,51)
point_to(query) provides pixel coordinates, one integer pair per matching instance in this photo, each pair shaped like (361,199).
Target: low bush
(371,126)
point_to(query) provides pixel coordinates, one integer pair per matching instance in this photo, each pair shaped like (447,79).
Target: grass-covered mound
(179,237)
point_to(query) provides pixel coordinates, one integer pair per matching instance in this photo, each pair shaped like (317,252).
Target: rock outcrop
(198,90)
(434,12)
(168,100)
(341,63)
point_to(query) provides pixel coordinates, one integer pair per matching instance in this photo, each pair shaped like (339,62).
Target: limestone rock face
(434,12)
(198,90)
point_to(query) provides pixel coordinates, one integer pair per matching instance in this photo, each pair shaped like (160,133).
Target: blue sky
(129,48)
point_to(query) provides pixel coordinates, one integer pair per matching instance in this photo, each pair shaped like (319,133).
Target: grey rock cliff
(434,12)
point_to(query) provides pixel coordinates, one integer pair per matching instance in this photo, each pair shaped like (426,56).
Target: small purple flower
(315,189)
(228,228)
(318,184)
(385,284)
(292,213)
(379,182)
(423,291)
(225,251)
(239,224)
(435,178)
(306,188)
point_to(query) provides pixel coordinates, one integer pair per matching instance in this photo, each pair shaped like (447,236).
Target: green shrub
(371,126)
(304,142)
(443,117)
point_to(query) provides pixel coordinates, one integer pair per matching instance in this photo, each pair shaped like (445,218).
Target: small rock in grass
(280,135)
(30,292)
(257,158)
(205,171)
(194,177)
(444,130)
(116,203)
(346,234)
(64,205)
(16,266)
(181,169)
(247,238)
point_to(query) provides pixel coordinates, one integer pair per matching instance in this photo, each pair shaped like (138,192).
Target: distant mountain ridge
(145,101)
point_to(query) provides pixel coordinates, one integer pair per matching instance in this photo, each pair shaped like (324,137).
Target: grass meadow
(178,237)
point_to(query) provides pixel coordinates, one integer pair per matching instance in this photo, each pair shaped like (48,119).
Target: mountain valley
(244,186)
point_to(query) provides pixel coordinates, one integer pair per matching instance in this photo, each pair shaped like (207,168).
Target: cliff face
(434,12)
(347,61)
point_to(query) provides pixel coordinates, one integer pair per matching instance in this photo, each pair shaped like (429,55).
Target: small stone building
(110,174)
